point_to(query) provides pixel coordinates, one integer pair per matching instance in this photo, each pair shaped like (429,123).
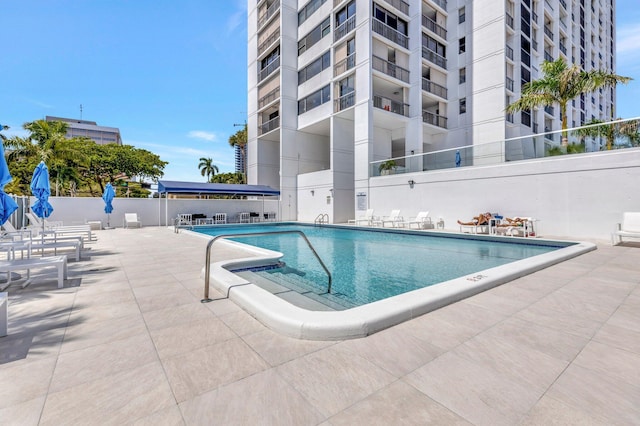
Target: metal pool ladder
(321,218)
(207,266)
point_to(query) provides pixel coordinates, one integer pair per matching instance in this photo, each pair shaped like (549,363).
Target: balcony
(391,105)
(548,57)
(344,101)
(268,98)
(509,117)
(344,65)
(268,41)
(509,52)
(509,84)
(441,3)
(431,25)
(271,10)
(534,45)
(534,17)
(548,32)
(344,28)
(510,21)
(270,125)
(564,4)
(390,69)
(435,88)
(266,71)
(563,48)
(401,5)
(549,110)
(433,57)
(434,119)
(389,33)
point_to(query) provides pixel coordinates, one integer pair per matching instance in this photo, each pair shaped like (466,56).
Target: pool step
(291,288)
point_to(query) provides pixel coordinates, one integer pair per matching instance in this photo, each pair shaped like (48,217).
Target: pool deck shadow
(127,340)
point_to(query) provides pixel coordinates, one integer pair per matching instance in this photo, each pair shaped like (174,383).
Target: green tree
(228,178)
(239,139)
(560,84)
(207,168)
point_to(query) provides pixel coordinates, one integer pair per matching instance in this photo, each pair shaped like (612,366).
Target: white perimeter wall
(578,196)
(76,210)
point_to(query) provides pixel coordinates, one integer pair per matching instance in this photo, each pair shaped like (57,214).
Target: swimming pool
(367,265)
(380,277)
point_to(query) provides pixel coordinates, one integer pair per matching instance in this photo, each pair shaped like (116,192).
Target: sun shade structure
(200,188)
(176,187)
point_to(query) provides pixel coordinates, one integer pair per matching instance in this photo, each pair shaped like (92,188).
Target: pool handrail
(207,266)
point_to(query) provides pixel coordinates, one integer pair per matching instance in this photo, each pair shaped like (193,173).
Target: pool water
(368,264)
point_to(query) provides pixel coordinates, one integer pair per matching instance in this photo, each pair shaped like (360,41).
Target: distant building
(101,135)
(239,159)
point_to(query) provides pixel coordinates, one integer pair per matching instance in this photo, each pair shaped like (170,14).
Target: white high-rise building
(334,85)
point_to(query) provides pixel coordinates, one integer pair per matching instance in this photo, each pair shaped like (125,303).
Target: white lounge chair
(132,220)
(367,219)
(220,218)
(629,228)
(184,219)
(394,219)
(56,229)
(421,221)
(59,262)
(244,217)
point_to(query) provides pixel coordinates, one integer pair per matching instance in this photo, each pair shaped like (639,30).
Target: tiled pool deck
(127,341)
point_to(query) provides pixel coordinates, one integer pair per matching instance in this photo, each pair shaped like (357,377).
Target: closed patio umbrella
(458,159)
(41,189)
(7,204)
(108,196)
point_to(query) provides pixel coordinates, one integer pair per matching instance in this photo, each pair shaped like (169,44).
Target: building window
(463,105)
(345,13)
(314,100)
(314,68)
(462,75)
(390,19)
(314,36)
(462,45)
(461,15)
(308,10)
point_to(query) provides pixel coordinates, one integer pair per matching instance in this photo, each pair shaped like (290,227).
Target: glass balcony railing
(435,88)
(268,126)
(344,28)
(441,3)
(431,25)
(401,5)
(390,69)
(548,32)
(266,71)
(434,119)
(618,134)
(509,52)
(390,33)
(510,21)
(268,41)
(269,97)
(433,57)
(509,84)
(344,65)
(271,10)
(390,105)
(344,101)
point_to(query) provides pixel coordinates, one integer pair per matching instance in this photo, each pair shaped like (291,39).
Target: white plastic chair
(132,220)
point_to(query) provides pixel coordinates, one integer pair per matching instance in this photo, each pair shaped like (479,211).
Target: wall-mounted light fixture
(312,192)
(411,183)
(331,191)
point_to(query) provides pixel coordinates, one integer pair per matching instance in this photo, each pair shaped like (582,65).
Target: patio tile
(31,343)
(480,395)
(24,414)
(610,361)
(186,337)
(209,367)
(86,334)
(627,316)
(115,399)
(549,411)
(242,323)
(156,289)
(174,315)
(165,300)
(333,380)
(170,416)
(274,401)
(84,365)
(97,313)
(277,349)
(379,348)
(619,337)
(25,380)
(398,403)
(598,395)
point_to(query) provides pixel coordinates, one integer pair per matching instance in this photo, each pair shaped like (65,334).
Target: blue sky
(170,74)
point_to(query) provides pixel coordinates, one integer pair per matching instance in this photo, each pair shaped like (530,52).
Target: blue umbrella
(458,158)
(108,196)
(7,204)
(41,189)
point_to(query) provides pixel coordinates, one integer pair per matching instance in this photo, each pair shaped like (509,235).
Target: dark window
(390,19)
(461,15)
(462,45)
(314,36)
(314,100)
(463,105)
(345,13)
(308,10)
(462,75)
(315,67)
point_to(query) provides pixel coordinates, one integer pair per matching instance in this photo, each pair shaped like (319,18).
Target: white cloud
(201,134)
(39,103)
(628,40)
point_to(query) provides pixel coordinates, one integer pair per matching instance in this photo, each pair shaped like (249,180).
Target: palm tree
(610,131)
(207,168)
(560,84)
(239,139)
